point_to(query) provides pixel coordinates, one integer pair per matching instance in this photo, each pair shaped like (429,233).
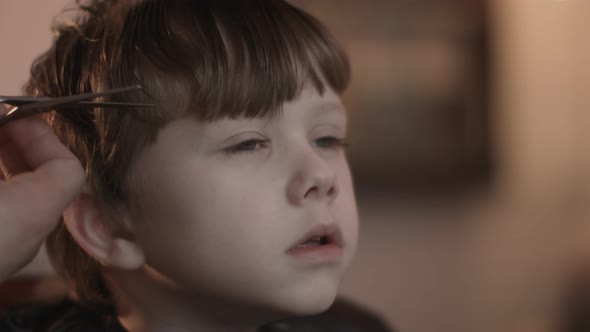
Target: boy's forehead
(329,106)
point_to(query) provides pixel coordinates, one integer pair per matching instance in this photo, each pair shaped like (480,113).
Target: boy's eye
(330,142)
(247,146)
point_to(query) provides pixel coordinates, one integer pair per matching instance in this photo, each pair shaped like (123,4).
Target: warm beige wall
(542,73)
(24,34)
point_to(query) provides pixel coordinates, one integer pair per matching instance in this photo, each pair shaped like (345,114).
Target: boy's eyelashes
(246,146)
(331,142)
(254,144)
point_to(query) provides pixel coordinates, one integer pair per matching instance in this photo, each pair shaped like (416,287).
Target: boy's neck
(144,305)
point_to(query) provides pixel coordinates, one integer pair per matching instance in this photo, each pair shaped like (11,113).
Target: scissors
(27,106)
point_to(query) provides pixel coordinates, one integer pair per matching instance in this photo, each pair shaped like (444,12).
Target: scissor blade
(19,101)
(90,104)
(74,99)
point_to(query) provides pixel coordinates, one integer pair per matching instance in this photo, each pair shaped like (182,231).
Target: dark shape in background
(419,96)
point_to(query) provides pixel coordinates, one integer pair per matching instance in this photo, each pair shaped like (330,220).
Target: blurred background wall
(470,129)
(495,240)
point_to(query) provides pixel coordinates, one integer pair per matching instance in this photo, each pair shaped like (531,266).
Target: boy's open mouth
(318,236)
(315,241)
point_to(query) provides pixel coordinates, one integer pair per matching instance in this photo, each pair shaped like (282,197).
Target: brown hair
(204,58)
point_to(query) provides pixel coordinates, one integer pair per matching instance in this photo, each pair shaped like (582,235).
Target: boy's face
(222,203)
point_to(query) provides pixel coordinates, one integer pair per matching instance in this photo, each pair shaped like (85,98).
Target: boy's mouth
(321,235)
(315,241)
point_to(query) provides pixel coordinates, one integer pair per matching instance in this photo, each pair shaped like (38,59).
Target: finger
(56,175)
(11,160)
(37,142)
(3,110)
(35,200)
(4,136)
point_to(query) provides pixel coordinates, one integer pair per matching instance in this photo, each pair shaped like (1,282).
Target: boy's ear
(98,236)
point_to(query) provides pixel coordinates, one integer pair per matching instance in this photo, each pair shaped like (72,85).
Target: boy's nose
(313,180)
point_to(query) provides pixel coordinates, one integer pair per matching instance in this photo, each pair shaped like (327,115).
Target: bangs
(222,58)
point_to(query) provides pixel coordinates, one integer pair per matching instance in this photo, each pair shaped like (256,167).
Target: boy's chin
(307,308)
(305,304)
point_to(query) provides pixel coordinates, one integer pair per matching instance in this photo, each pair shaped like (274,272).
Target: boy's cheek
(351,234)
(349,221)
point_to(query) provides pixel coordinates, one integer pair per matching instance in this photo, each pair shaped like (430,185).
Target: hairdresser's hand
(39,177)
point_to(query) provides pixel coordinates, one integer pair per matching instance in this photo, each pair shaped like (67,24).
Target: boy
(230,203)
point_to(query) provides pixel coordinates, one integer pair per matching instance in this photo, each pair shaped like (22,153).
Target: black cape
(68,316)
